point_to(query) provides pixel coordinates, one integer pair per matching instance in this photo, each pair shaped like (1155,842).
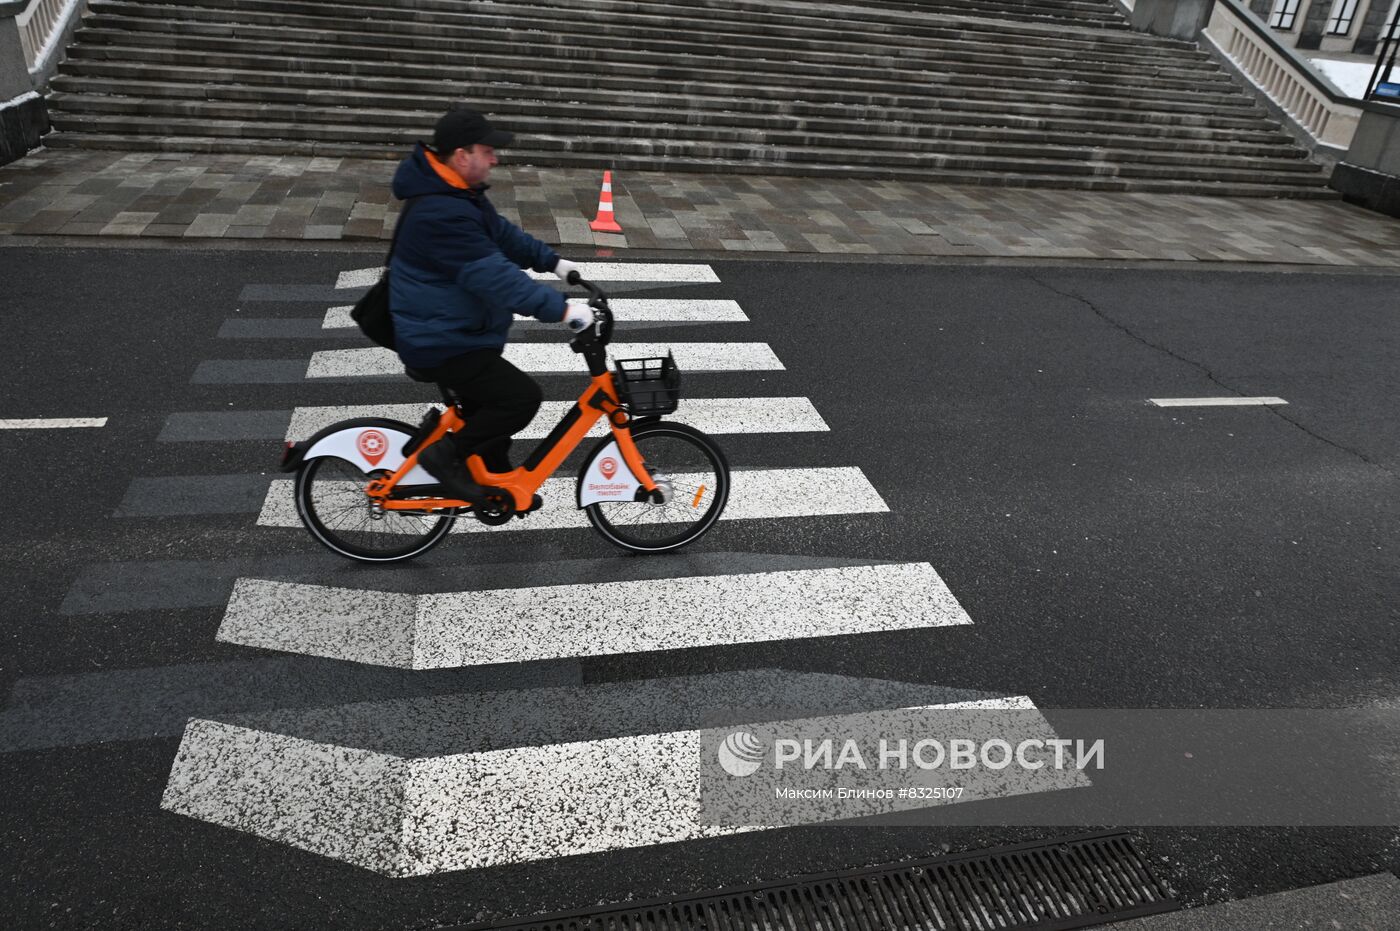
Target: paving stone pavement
(87,193)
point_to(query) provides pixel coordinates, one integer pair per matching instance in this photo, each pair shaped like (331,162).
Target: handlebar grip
(574,277)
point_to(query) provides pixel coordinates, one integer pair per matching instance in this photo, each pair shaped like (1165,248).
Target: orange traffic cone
(605,222)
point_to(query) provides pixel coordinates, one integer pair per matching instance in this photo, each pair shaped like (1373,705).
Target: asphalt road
(1111,554)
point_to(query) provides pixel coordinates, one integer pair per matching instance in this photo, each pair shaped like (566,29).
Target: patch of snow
(18,100)
(1350,77)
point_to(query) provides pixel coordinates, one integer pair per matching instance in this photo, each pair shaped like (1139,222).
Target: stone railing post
(1176,19)
(14,63)
(1369,174)
(23,116)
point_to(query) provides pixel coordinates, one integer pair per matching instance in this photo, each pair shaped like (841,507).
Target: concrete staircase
(1001,92)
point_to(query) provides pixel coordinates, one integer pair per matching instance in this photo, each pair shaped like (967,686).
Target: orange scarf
(445,173)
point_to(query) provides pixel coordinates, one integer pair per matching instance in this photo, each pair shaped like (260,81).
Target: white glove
(563,270)
(578,317)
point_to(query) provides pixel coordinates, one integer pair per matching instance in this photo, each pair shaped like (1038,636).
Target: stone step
(1078,12)
(591,27)
(174,66)
(541,148)
(339,42)
(1054,92)
(905,13)
(950,73)
(614,55)
(409,124)
(1097,15)
(922,124)
(581,72)
(482,32)
(1260,186)
(1091,8)
(844,23)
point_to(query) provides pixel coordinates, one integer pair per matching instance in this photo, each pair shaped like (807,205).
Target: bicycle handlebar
(602,329)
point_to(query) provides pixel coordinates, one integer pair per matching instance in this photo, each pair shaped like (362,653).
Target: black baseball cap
(462,128)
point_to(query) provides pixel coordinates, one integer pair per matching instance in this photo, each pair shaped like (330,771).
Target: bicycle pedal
(536,502)
(496,508)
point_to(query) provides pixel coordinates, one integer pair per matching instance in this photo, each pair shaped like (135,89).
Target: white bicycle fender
(371,449)
(607,478)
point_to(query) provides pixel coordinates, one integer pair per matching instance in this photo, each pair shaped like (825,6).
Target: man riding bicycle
(455,284)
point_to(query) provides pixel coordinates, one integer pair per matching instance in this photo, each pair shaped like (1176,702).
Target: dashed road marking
(52,423)
(1216,402)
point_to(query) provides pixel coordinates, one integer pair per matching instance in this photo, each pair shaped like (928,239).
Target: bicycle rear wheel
(694,477)
(331,500)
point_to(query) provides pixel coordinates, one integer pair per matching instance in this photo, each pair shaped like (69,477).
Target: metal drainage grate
(1071,883)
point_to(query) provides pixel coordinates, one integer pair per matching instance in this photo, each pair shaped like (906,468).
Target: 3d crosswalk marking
(712,415)
(718,416)
(171,584)
(663,272)
(558,357)
(377,786)
(106,705)
(625,310)
(415,786)
(638,271)
(754,495)
(476,628)
(338,318)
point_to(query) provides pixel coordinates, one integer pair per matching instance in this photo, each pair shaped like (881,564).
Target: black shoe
(442,463)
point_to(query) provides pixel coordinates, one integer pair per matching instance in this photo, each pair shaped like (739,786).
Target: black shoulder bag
(371,311)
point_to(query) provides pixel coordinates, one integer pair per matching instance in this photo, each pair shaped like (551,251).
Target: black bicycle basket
(649,387)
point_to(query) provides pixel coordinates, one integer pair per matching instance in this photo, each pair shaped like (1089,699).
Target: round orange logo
(608,466)
(372,445)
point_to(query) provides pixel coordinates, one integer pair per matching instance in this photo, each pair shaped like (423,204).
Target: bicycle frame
(597,401)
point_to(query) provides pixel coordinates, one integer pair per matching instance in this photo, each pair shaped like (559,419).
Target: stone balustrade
(1305,97)
(33,34)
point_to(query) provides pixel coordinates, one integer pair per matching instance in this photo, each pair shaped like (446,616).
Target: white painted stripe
(673,310)
(718,416)
(359,277)
(480,628)
(407,816)
(625,310)
(666,272)
(558,357)
(753,495)
(639,271)
(53,423)
(338,318)
(1216,402)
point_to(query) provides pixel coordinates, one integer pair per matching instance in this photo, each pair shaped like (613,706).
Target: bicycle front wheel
(693,476)
(331,500)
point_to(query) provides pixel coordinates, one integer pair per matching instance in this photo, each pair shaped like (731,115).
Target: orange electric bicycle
(650,486)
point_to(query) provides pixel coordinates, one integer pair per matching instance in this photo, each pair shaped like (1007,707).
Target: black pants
(497,400)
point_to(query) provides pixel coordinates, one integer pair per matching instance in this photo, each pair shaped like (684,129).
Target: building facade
(1352,26)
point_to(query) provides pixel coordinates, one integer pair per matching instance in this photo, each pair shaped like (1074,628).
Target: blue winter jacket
(455,280)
